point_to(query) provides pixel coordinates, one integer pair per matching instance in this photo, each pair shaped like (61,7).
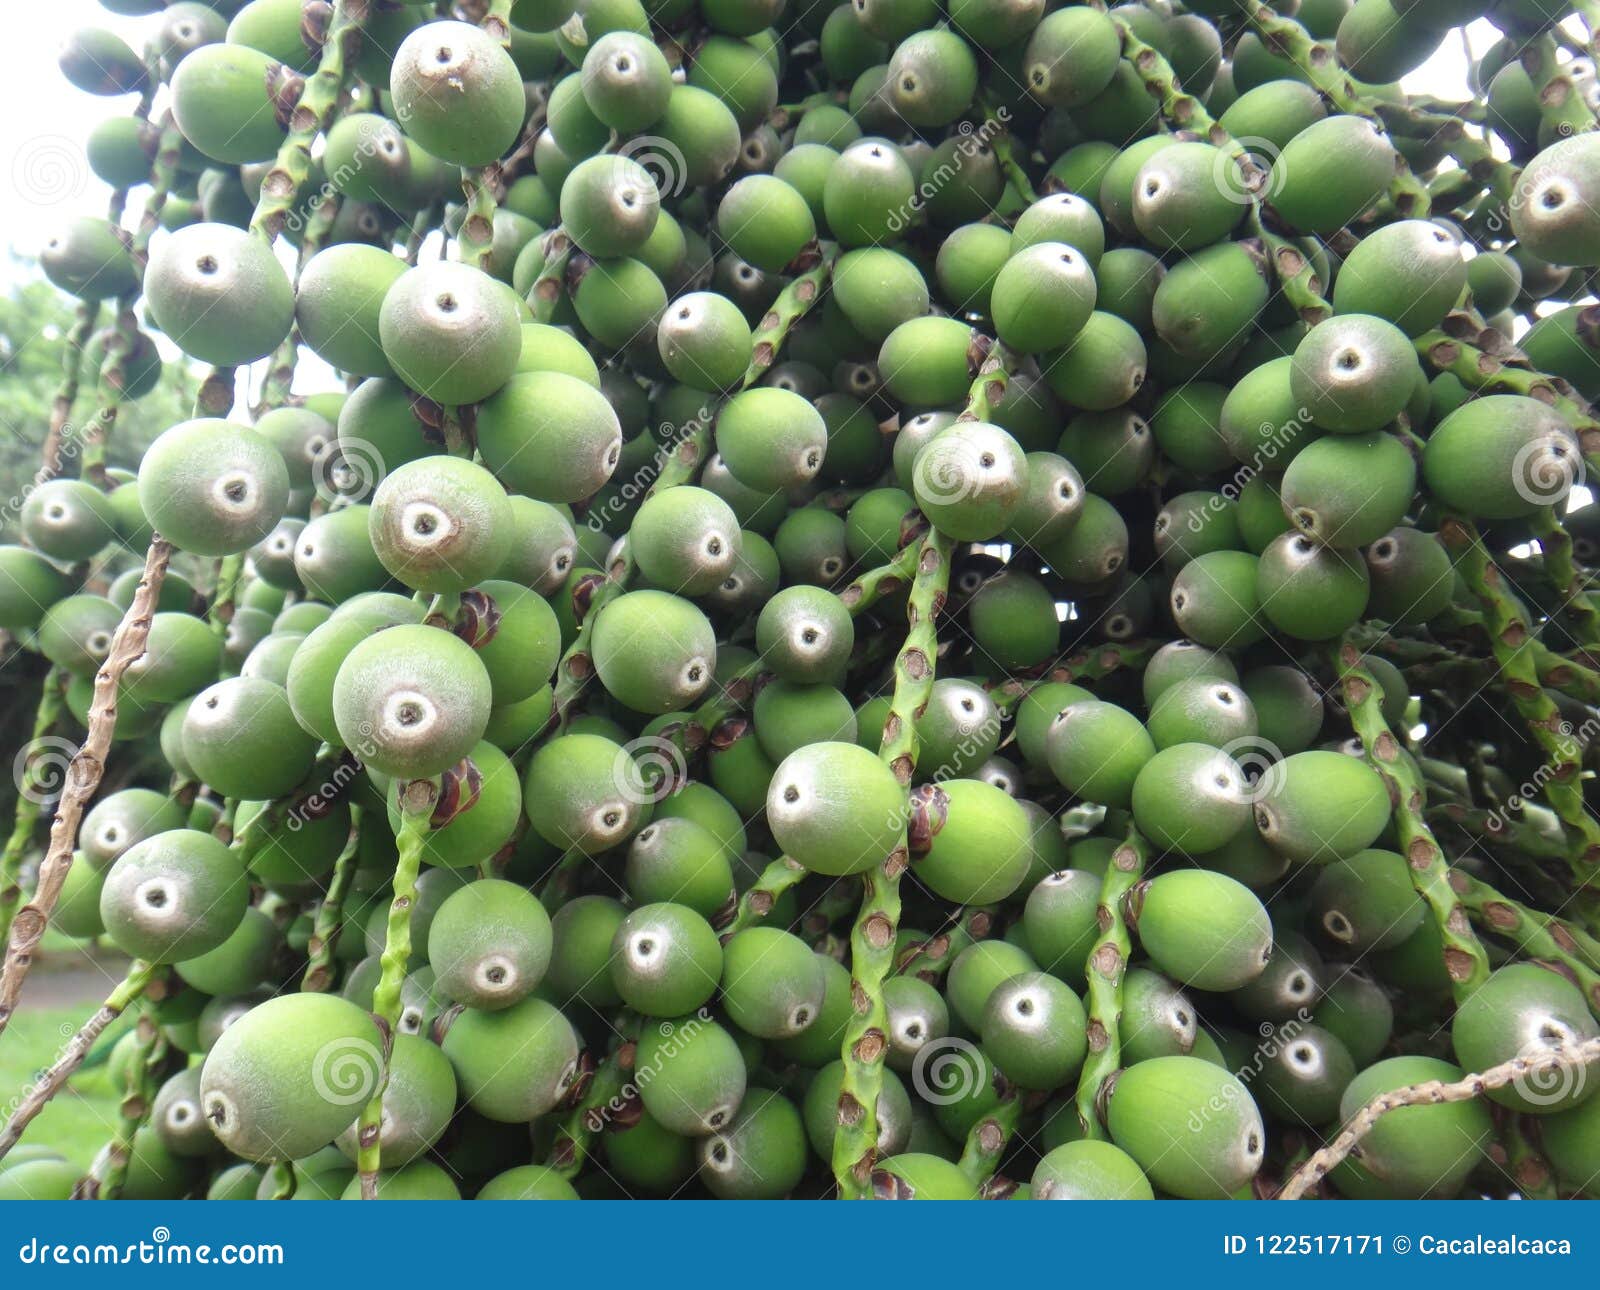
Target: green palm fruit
(1288,986)
(761,1155)
(458,93)
(584,791)
(1097,750)
(1202,710)
(1349,490)
(1071,57)
(77,912)
(295,851)
(1568,1137)
(705,133)
(609,206)
(878,289)
(242,962)
(970,479)
(1214,600)
(550,349)
(1318,806)
(1193,1128)
(176,1117)
(665,960)
(1013,620)
(439,524)
(241,737)
(411,701)
(1525,1010)
(649,1157)
(789,717)
(869,195)
(1206,302)
(316,662)
(378,430)
(821,1111)
(1043,296)
(969,261)
(528,1182)
(836,808)
(481,828)
(68,520)
(450,332)
(1102,368)
(1202,928)
(489,944)
(1366,902)
(1035,1030)
(1308,591)
(970,841)
(772,984)
(978,971)
(1500,457)
(626,81)
(550,436)
(338,300)
(957,731)
(542,546)
(1035,712)
(1416,1151)
(1409,273)
(1262,420)
(771,439)
(1191,524)
(581,935)
(925,360)
(29,586)
(420,1180)
(1060,918)
(1127,278)
(697,1079)
(141,366)
(1288,708)
(765,222)
(804,634)
(229,101)
(1554,217)
(738,74)
(1353,373)
(1566,343)
(919,1176)
(685,540)
(1358,1013)
(523,644)
(1183,660)
(704,341)
(1304,1075)
(653,651)
(932,77)
(1157,1019)
(1089,1170)
(1330,172)
(810,546)
(680,861)
(1181,200)
(917,1017)
(213,488)
(1062,217)
(1186,424)
(513,1063)
(219,294)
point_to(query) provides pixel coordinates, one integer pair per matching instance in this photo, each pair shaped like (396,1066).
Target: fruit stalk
(88,314)
(1509,639)
(130,988)
(1555,544)
(330,913)
(82,779)
(109,1170)
(778,877)
(1464,960)
(1107,965)
(416,807)
(1535,934)
(1430,1093)
(30,795)
(873,935)
(281,185)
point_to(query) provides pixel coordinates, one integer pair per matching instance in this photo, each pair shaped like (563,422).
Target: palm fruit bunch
(879,599)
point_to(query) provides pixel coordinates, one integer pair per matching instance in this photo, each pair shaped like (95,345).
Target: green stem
(779,876)
(416,807)
(31,792)
(281,185)
(109,1172)
(330,914)
(1555,544)
(1107,965)
(1534,934)
(66,395)
(1464,960)
(872,938)
(230,569)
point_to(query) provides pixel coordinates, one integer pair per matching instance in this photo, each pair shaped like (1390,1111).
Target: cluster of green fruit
(903,599)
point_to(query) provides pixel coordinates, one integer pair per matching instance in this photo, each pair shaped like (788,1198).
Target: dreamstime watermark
(48,169)
(1274,438)
(1260,762)
(1525,793)
(346,1071)
(948,1070)
(346,469)
(1547,468)
(160,1250)
(1276,1038)
(648,769)
(41,768)
(621,496)
(674,1035)
(971,140)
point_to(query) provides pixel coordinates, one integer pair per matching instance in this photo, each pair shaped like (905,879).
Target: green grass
(80,1118)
